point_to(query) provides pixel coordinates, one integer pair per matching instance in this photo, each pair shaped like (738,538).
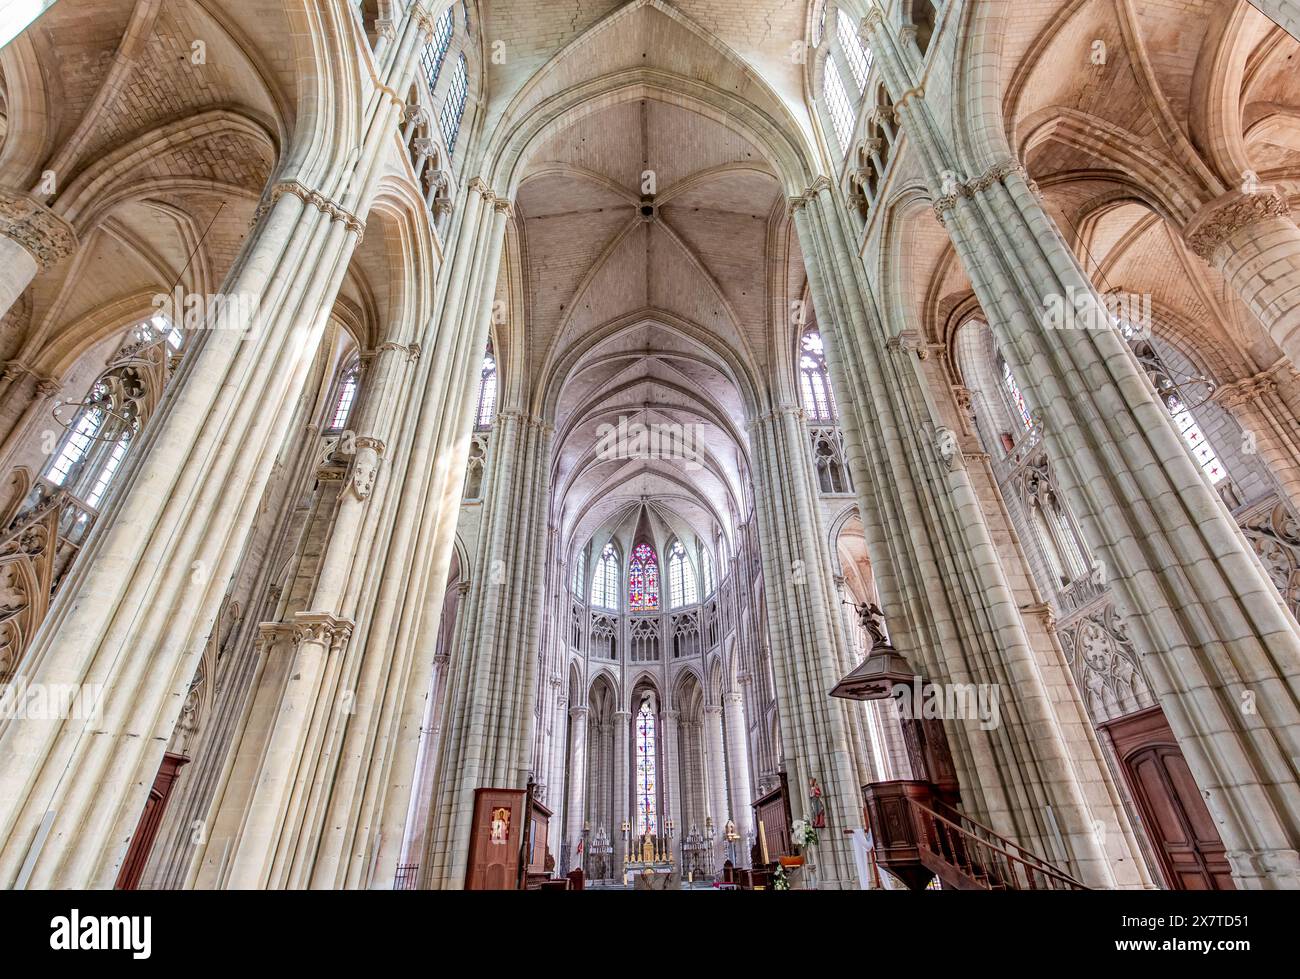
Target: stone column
(624,781)
(317,691)
(489,735)
(379,748)
(575,807)
(32,239)
(742,793)
(555,787)
(1225,676)
(804,633)
(672,779)
(715,765)
(136,616)
(1252,240)
(1220,651)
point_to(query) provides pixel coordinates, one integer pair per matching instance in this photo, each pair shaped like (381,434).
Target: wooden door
(1175,816)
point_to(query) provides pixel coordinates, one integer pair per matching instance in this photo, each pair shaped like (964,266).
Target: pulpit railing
(980,857)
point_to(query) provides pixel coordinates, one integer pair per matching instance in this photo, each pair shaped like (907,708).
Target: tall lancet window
(434,53)
(1017,398)
(114,412)
(643,580)
(604,583)
(837,100)
(1171,393)
(647,811)
(681,577)
(579,571)
(858,57)
(347,394)
(487,392)
(453,106)
(814,379)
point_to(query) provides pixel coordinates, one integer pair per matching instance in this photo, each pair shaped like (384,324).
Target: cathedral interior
(649,445)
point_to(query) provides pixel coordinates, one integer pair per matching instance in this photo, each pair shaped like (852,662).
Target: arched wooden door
(1175,816)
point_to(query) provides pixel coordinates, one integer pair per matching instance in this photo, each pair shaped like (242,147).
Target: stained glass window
(76,445)
(604,585)
(814,379)
(858,57)
(643,580)
(487,392)
(1017,398)
(681,577)
(343,403)
(1199,445)
(453,106)
(1172,397)
(646,770)
(435,51)
(837,99)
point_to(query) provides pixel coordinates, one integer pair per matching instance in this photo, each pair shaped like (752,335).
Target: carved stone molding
(322,628)
(314,199)
(1223,218)
(46,236)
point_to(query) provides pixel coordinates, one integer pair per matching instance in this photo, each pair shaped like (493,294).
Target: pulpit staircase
(967,855)
(918,837)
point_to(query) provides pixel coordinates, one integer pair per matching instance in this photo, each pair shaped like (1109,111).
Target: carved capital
(323,629)
(994,175)
(314,199)
(1221,219)
(43,234)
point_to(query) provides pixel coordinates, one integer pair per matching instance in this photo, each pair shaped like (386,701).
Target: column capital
(48,238)
(875,18)
(1248,389)
(312,198)
(798,202)
(323,628)
(1226,215)
(48,387)
(578,713)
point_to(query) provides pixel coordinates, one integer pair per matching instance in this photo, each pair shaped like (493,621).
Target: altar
(650,866)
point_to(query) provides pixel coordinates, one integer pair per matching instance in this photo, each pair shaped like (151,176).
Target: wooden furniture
(508,840)
(774,822)
(894,831)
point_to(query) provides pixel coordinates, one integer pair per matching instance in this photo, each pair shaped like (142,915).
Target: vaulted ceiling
(652,244)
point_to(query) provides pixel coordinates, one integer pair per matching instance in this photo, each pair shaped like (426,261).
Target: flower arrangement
(803,833)
(780,882)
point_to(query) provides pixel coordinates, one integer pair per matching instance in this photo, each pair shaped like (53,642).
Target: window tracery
(604,584)
(681,577)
